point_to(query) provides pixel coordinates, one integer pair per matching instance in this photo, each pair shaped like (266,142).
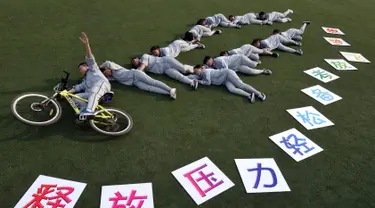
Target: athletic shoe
(238,26)
(194,85)
(307,22)
(299,43)
(259,62)
(276,55)
(84,114)
(290,11)
(289,19)
(218,32)
(251,97)
(269,23)
(299,52)
(201,46)
(262,97)
(267,71)
(173,93)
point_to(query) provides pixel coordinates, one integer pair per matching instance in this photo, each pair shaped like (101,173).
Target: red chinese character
(47,189)
(331,30)
(337,41)
(205,178)
(129,202)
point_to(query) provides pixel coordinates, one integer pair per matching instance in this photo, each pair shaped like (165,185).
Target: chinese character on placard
(338,64)
(354,57)
(335,31)
(55,196)
(296,144)
(309,117)
(209,180)
(321,74)
(261,175)
(202,180)
(336,41)
(326,96)
(259,170)
(131,201)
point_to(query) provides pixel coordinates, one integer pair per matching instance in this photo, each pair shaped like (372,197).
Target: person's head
(155,50)
(106,72)
(188,36)
(224,53)
(275,31)
(83,67)
(198,69)
(135,62)
(256,42)
(262,15)
(231,18)
(208,60)
(202,22)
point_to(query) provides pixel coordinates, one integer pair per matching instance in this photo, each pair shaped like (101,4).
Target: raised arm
(91,63)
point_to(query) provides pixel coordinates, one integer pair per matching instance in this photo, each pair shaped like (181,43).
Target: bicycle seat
(106,98)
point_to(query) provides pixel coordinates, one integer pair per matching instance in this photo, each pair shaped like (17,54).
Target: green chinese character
(339,64)
(321,74)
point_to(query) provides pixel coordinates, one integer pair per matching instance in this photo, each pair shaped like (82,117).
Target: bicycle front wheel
(36,109)
(120,123)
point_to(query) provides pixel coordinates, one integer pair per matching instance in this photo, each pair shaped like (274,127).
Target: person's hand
(84,39)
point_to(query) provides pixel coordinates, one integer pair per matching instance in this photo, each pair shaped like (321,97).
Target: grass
(39,38)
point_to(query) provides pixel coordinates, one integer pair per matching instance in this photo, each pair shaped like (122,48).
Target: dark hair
(197,66)
(131,61)
(206,58)
(200,21)
(223,53)
(261,13)
(256,40)
(188,36)
(156,47)
(275,31)
(82,64)
(102,69)
(230,16)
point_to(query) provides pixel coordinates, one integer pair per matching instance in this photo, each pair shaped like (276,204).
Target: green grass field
(39,38)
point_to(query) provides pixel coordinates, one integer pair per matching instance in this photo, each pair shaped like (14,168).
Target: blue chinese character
(259,173)
(307,119)
(296,146)
(326,96)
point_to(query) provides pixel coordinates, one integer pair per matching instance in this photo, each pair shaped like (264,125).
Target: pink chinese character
(47,189)
(331,30)
(205,177)
(129,202)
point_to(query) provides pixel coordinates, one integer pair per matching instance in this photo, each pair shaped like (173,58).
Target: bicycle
(108,118)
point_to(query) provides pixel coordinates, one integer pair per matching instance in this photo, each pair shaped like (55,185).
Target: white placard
(331,30)
(321,94)
(340,64)
(51,192)
(310,118)
(354,57)
(321,74)
(127,195)
(261,175)
(202,180)
(336,41)
(295,144)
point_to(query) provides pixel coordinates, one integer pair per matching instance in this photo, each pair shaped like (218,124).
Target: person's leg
(254,56)
(249,71)
(237,82)
(80,104)
(286,49)
(185,46)
(149,88)
(175,74)
(147,80)
(255,21)
(96,93)
(297,38)
(248,62)
(175,64)
(288,12)
(235,90)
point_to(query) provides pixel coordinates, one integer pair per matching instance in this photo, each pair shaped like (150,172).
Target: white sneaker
(173,93)
(189,69)
(290,11)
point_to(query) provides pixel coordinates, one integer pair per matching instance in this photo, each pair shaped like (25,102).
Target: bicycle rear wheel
(120,124)
(38,105)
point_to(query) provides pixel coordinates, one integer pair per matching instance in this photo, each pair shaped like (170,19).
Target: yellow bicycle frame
(68,96)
